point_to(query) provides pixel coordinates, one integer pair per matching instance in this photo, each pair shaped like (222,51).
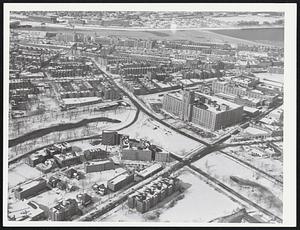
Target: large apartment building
(210,112)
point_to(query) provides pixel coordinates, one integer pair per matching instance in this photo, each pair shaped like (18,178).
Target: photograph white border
(290,84)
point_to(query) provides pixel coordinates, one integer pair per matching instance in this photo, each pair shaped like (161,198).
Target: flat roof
(219,101)
(80,100)
(150,169)
(119,178)
(32,184)
(100,162)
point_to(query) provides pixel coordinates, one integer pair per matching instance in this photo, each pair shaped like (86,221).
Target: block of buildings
(97,153)
(64,210)
(98,166)
(30,189)
(244,88)
(120,181)
(67,159)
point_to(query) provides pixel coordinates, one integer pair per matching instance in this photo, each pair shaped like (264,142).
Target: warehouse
(120,181)
(149,171)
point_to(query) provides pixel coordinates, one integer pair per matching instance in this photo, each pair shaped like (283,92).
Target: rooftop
(32,184)
(217,101)
(119,178)
(149,170)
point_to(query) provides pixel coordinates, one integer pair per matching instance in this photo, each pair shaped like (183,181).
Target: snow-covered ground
(124,115)
(147,128)
(222,167)
(210,203)
(50,119)
(271,166)
(21,173)
(201,203)
(254,131)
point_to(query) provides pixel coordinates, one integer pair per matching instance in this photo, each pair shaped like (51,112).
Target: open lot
(266,163)
(157,134)
(264,192)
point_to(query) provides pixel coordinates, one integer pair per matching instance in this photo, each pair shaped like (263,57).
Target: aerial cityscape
(143,116)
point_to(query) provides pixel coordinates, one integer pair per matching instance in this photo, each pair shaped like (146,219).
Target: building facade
(110,138)
(209,112)
(30,189)
(98,166)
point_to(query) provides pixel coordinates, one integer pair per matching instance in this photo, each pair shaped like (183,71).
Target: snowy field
(222,167)
(210,205)
(166,138)
(271,166)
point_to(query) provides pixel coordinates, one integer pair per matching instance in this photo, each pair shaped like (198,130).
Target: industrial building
(30,189)
(239,89)
(120,181)
(149,171)
(98,166)
(207,111)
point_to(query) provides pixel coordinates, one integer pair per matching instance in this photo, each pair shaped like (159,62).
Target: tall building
(64,210)
(110,138)
(187,104)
